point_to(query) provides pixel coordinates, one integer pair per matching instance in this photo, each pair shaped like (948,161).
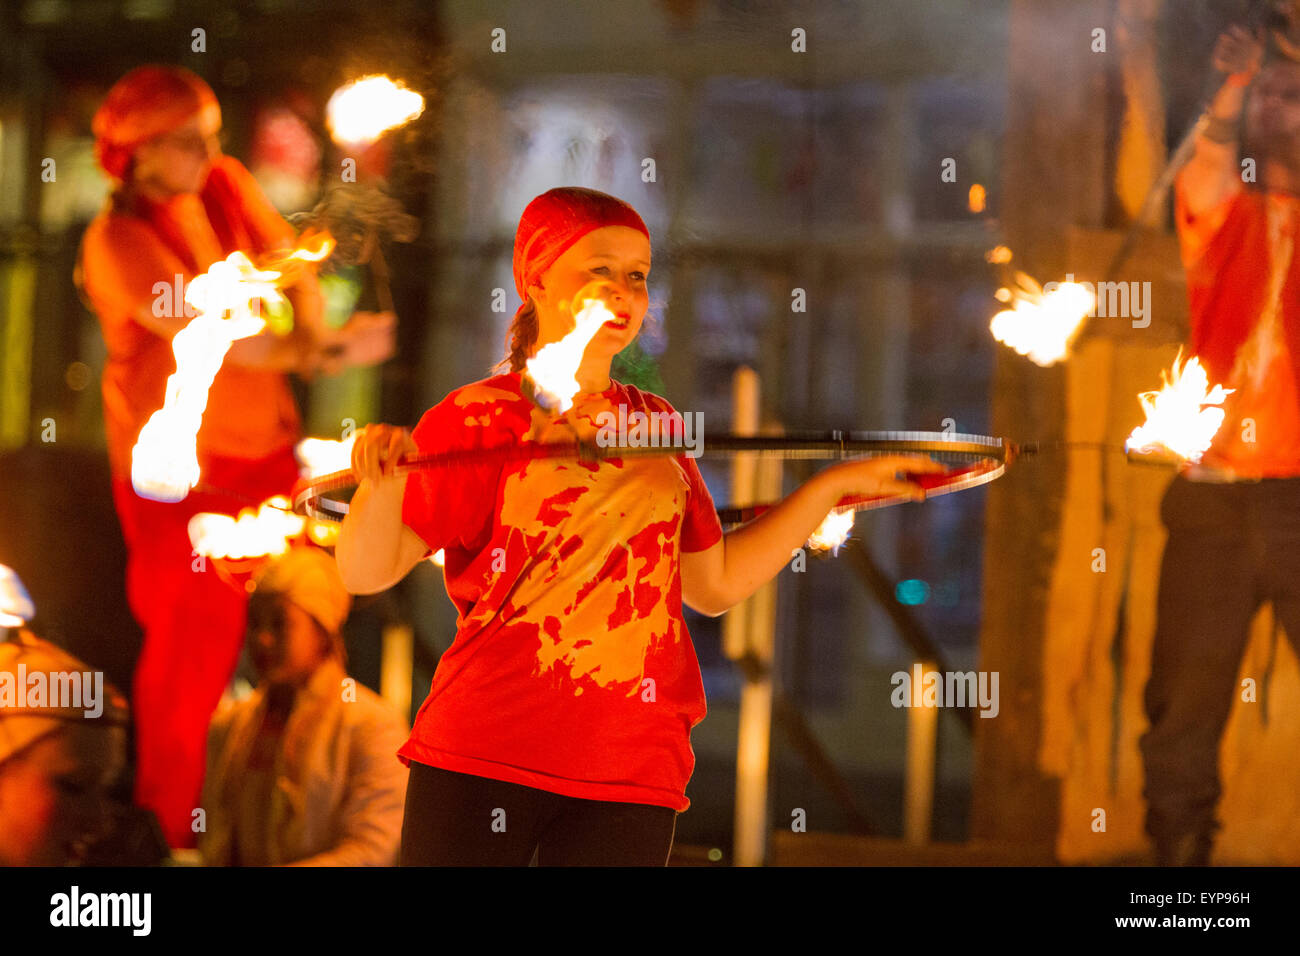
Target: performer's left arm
(718,578)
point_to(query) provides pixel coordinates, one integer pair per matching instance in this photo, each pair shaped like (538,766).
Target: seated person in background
(304,771)
(57,762)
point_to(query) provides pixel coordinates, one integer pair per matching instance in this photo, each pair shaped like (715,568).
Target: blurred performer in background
(304,771)
(178,206)
(58,757)
(1233,520)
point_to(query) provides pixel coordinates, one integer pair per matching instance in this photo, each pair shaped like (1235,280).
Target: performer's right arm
(1212,176)
(375,548)
(126,271)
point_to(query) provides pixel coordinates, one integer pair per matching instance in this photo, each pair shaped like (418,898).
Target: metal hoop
(982,459)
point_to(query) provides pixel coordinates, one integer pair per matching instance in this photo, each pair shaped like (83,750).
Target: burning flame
(365,109)
(16,607)
(832,532)
(977,198)
(323,533)
(554,367)
(266,531)
(227,298)
(1182,416)
(323,456)
(1041,325)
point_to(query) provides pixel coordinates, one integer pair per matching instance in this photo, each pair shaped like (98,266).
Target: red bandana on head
(557,219)
(149,101)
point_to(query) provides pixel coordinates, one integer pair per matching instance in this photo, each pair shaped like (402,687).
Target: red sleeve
(121,263)
(453,505)
(232,188)
(701,528)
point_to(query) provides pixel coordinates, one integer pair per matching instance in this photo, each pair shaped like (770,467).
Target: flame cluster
(271,528)
(831,534)
(264,531)
(1041,325)
(553,370)
(365,109)
(1183,416)
(227,301)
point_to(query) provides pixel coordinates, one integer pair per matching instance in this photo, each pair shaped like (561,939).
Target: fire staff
(178,206)
(559,720)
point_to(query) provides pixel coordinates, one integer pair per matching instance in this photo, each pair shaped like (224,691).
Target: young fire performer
(559,720)
(178,207)
(1233,521)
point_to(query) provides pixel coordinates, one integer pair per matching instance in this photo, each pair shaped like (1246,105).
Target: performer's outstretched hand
(885,475)
(1239,53)
(369,338)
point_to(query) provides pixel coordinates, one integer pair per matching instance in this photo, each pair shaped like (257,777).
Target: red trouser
(193,625)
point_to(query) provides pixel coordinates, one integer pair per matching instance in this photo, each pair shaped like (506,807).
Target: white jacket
(339,787)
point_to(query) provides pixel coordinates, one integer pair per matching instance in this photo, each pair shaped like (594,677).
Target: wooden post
(922,734)
(396,665)
(749,628)
(1055,176)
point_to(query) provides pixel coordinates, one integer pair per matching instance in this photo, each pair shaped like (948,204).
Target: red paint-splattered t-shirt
(572,670)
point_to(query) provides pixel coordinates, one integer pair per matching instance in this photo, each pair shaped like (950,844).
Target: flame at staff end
(253,534)
(1041,325)
(1182,417)
(553,370)
(323,456)
(226,298)
(363,110)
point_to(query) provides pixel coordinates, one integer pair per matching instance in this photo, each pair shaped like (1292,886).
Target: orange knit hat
(147,102)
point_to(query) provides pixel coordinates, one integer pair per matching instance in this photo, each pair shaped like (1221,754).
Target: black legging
(456,819)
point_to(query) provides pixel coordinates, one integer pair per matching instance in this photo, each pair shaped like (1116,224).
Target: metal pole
(749,629)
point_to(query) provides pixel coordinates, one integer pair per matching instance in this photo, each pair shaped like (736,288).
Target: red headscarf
(149,101)
(557,219)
